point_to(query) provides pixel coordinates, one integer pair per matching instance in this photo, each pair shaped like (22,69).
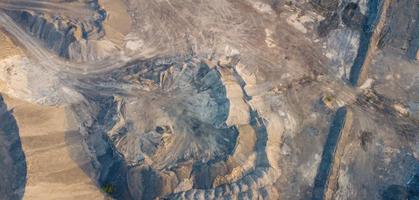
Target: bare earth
(46,138)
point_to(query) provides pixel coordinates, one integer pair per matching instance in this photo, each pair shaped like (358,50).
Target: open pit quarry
(210,99)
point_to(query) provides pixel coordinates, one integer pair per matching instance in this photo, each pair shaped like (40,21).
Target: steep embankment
(326,181)
(75,37)
(373,26)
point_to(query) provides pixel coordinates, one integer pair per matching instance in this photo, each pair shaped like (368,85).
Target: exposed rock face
(326,182)
(352,16)
(327,25)
(401,31)
(192,125)
(57,35)
(77,39)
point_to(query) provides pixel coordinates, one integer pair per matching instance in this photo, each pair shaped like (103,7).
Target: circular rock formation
(187,132)
(180,116)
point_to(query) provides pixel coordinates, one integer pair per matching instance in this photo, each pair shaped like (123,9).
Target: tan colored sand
(8,48)
(46,137)
(118,22)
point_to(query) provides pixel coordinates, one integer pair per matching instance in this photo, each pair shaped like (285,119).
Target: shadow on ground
(12,158)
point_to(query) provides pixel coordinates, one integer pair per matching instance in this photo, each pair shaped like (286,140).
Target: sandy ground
(7,47)
(118,22)
(46,139)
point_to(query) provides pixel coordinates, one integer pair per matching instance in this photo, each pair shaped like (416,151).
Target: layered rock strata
(77,39)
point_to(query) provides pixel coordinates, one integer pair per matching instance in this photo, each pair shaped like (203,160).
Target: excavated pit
(214,99)
(187,128)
